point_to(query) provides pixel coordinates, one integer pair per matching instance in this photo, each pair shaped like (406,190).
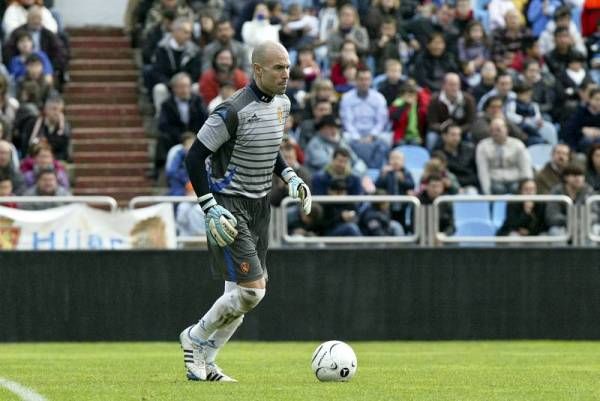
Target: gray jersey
(244,134)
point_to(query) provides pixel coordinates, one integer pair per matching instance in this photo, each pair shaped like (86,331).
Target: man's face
(452,137)
(388,29)
(183,33)
(494,109)
(224,60)
(529,188)
(498,131)
(6,187)
(504,85)
(53,111)
(25,46)
(363,81)
(34,21)
(182,88)
(275,73)
(397,160)
(329,132)
(4,154)
(563,40)
(394,72)
(44,158)
(532,73)
(339,164)
(575,182)
(224,32)
(434,189)
(452,86)
(322,109)
(47,184)
(436,46)
(35,70)
(561,156)
(347,17)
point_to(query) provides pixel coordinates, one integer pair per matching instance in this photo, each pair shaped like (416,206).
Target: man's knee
(249,298)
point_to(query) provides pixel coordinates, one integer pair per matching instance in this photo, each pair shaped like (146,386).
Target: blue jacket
(17,65)
(177,175)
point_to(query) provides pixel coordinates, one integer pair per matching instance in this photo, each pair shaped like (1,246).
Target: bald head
(451,85)
(271,66)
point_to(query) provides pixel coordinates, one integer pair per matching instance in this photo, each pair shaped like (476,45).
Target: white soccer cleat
(194,356)
(215,374)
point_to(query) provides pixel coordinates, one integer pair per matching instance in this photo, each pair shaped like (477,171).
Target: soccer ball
(334,361)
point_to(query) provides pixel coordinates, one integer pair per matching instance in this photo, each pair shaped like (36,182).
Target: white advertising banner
(79,226)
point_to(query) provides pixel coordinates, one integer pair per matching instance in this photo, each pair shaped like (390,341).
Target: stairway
(110,148)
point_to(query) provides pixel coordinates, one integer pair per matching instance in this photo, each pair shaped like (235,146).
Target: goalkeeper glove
(220,223)
(297,189)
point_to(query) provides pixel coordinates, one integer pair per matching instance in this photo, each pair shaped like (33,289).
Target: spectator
(226,90)
(175,53)
(432,189)
(34,77)
(259,28)
(395,179)
(502,89)
(451,104)
(308,64)
(592,176)
(568,86)
(44,40)
(307,225)
(501,161)
(431,65)
(438,165)
(338,168)
(189,216)
(376,220)
(463,15)
(25,47)
(207,29)
(340,219)
(561,20)
(307,129)
(321,147)
(279,189)
(299,29)
(155,14)
(551,174)
(539,14)
(493,109)
(474,46)
(542,86)
(8,109)
(322,89)
(8,168)
(224,40)
(364,116)
(497,10)
(43,158)
(381,10)
(46,185)
(388,45)
(182,111)
(348,56)
(583,128)
(175,170)
(558,59)
(155,35)
(574,186)
(394,81)
(6,189)
(424,26)
(51,127)
(526,114)
(16,15)
(408,115)
(460,156)
(488,80)
(524,218)
(509,39)
(349,28)
(223,70)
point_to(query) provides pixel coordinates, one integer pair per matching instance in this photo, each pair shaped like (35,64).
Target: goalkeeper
(231,166)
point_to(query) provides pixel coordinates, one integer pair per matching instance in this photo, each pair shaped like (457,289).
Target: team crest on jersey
(280,115)
(245,267)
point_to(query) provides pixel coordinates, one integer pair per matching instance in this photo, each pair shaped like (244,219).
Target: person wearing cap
(46,185)
(321,147)
(574,186)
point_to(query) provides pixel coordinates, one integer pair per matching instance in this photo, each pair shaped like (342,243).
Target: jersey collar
(262,96)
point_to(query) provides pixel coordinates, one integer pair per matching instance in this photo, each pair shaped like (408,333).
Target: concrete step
(122,195)
(111,145)
(123,157)
(94,64)
(115,182)
(102,87)
(107,53)
(95,31)
(98,122)
(112,169)
(102,98)
(99,42)
(105,110)
(104,76)
(92,133)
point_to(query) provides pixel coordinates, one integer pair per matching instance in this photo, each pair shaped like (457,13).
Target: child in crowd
(525,113)
(6,189)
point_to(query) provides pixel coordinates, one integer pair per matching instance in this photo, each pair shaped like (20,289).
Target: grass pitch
(399,371)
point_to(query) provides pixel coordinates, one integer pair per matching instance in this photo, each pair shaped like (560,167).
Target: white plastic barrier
(443,238)
(90,200)
(589,218)
(413,238)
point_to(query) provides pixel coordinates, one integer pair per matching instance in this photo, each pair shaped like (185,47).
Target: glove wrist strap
(207,201)
(287,174)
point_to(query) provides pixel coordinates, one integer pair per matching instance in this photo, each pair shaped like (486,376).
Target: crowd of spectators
(473,84)
(34,134)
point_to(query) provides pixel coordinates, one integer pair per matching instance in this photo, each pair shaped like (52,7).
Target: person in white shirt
(16,15)
(259,29)
(502,161)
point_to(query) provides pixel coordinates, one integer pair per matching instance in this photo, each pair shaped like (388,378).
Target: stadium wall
(375,294)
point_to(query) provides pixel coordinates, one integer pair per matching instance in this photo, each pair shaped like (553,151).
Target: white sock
(220,337)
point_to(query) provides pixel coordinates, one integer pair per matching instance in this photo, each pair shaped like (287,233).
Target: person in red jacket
(223,70)
(408,113)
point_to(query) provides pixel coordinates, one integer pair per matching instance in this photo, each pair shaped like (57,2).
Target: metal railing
(443,238)
(90,200)
(589,218)
(413,238)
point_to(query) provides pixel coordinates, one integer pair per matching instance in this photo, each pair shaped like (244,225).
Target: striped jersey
(244,133)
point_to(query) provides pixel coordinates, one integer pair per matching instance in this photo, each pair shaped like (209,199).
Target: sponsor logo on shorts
(245,267)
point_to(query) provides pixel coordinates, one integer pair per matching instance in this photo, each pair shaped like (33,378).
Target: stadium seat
(540,154)
(475,228)
(414,156)
(468,211)
(498,213)
(416,175)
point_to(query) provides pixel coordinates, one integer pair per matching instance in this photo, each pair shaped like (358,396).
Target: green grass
(406,371)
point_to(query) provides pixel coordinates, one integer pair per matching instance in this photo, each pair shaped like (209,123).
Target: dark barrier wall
(313,294)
